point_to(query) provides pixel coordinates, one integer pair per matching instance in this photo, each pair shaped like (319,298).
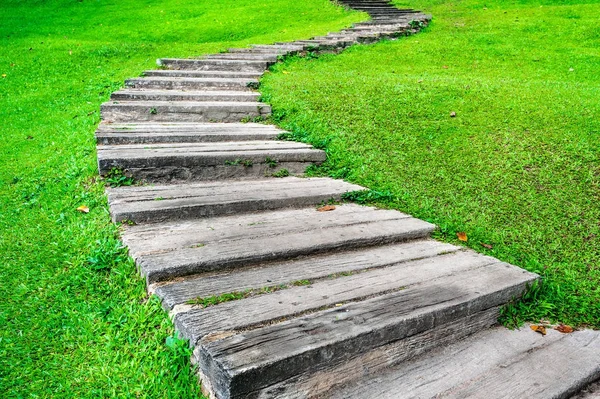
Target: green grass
(517,169)
(75,318)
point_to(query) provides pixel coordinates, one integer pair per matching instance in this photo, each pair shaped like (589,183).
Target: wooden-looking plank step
(197,322)
(213,64)
(203,74)
(166,162)
(290,271)
(282,358)
(496,363)
(183,126)
(168,83)
(183,111)
(266,57)
(184,95)
(150,133)
(174,249)
(194,200)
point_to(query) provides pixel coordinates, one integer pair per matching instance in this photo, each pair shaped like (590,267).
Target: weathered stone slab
(203,74)
(243,364)
(194,200)
(184,95)
(197,323)
(285,272)
(169,250)
(175,83)
(497,363)
(183,111)
(213,64)
(149,133)
(207,161)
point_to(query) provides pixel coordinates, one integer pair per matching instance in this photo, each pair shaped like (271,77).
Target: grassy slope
(75,320)
(518,168)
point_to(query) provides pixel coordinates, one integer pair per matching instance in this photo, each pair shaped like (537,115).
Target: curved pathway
(283,296)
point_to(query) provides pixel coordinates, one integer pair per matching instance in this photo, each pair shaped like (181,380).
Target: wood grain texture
(253,360)
(168,250)
(182,201)
(496,364)
(313,267)
(242,314)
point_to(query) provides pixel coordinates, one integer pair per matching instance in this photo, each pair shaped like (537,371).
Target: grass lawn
(74,316)
(517,169)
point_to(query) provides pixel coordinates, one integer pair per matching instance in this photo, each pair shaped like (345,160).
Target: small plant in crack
(271,162)
(237,295)
(116,177)
(153,111)
(281,173)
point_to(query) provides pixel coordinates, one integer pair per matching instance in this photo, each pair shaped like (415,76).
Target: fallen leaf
(83,209)
(538,329)
(462,236)
(338,304)
(564,328)
(326,208)
(285,72)
(488,246)
(452,114)
(3,75)
(445,67)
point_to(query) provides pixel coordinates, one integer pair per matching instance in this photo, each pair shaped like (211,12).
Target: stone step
(213,64)
(184,201)
(168,250)
(266,57)
(173,162)
(181,132)
(264,50)
(283,46)
(185,95)
(497,363)
(303,340)
(161,82)
(325,44)
(203,74)
(289,272)
(183,111)
(379,10)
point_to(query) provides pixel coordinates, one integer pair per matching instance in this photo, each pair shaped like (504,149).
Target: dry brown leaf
(83,209)
(488,246)
(538,329)
(326,208)
(445,67)
(462,236)
(564,329)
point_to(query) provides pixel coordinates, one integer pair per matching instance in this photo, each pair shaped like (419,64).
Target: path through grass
(517,169)
(74,316)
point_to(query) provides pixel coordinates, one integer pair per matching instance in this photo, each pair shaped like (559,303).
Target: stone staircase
(282,295)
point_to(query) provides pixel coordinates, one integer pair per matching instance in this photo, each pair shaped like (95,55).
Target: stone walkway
(282,297)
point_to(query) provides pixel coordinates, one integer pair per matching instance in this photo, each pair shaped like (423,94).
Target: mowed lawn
(518,167)
(75,320)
